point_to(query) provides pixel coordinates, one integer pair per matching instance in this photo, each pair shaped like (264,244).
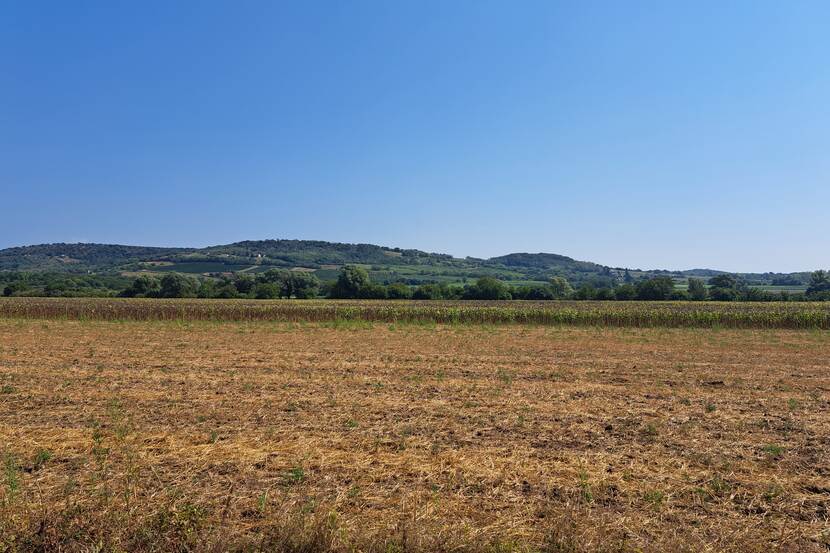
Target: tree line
(353,282)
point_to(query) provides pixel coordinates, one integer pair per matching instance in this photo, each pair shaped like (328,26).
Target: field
(795,315)
(347,434)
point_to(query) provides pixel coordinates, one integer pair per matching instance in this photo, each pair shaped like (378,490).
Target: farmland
(801,315)
(361,426)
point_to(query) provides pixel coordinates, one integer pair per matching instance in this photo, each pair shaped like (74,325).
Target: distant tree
(226,290)
(15,288)
(244,284)
(697,289)
(175,285)
(627,278)
(266,291)
(560,287)
(819,281)
(372,291)
(604,294)
(723,294)
(144,286)
(819,287)
(436,292)
(350,282)
(787,280)
(207,289)
(398,291)
(724,281)
(271,275)
(725,287)
(756,294)
(679,295)
(533,292)
(278,280)
(487,288)
(426,292)
(301,285)
(657,288)
(585,292)
(56,288)
(625,292)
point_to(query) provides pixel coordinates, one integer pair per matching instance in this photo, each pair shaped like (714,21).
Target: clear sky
(642,134)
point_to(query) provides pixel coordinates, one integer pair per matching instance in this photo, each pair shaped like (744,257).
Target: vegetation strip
(617,314)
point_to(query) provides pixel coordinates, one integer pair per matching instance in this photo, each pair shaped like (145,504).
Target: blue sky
(642,134)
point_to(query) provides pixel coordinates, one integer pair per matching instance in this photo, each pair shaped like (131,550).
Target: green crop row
(620,314)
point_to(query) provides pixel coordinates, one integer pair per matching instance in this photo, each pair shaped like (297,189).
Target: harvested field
(356,436)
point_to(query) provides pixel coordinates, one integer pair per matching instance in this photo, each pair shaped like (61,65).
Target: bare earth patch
(225,436)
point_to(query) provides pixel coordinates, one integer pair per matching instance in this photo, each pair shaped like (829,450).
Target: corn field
(616,314)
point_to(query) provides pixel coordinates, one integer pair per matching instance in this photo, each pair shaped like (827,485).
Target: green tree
(207,289)
(604,294)
(15,288)
(724,280)
(266,291)
(244,284)
(560,287)
(398,291)
(625,292)
(301,285)
(533,292)
(372,291)
(819,287)
(175,285)
(350,282)
(585,292)
(226,290)
(145,286)
(427,292)
(658,288)
(725,287)
(723,294)
(487,288)
(679,295)
(697,289)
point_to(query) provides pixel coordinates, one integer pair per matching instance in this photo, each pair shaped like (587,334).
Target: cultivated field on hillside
(348,435)
(796,315)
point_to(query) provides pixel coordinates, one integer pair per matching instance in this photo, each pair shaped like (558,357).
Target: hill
(385,264)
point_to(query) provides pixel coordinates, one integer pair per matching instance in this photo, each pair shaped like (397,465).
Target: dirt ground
(224,436)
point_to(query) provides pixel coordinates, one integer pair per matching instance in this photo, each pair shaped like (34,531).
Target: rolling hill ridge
(385,264)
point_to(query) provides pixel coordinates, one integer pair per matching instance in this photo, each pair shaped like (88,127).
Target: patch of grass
(650,431)
(295,475)
(41,457)
(504,376)
(11,476)
(773,451)
(655,497)
(585,491)
(772,492)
